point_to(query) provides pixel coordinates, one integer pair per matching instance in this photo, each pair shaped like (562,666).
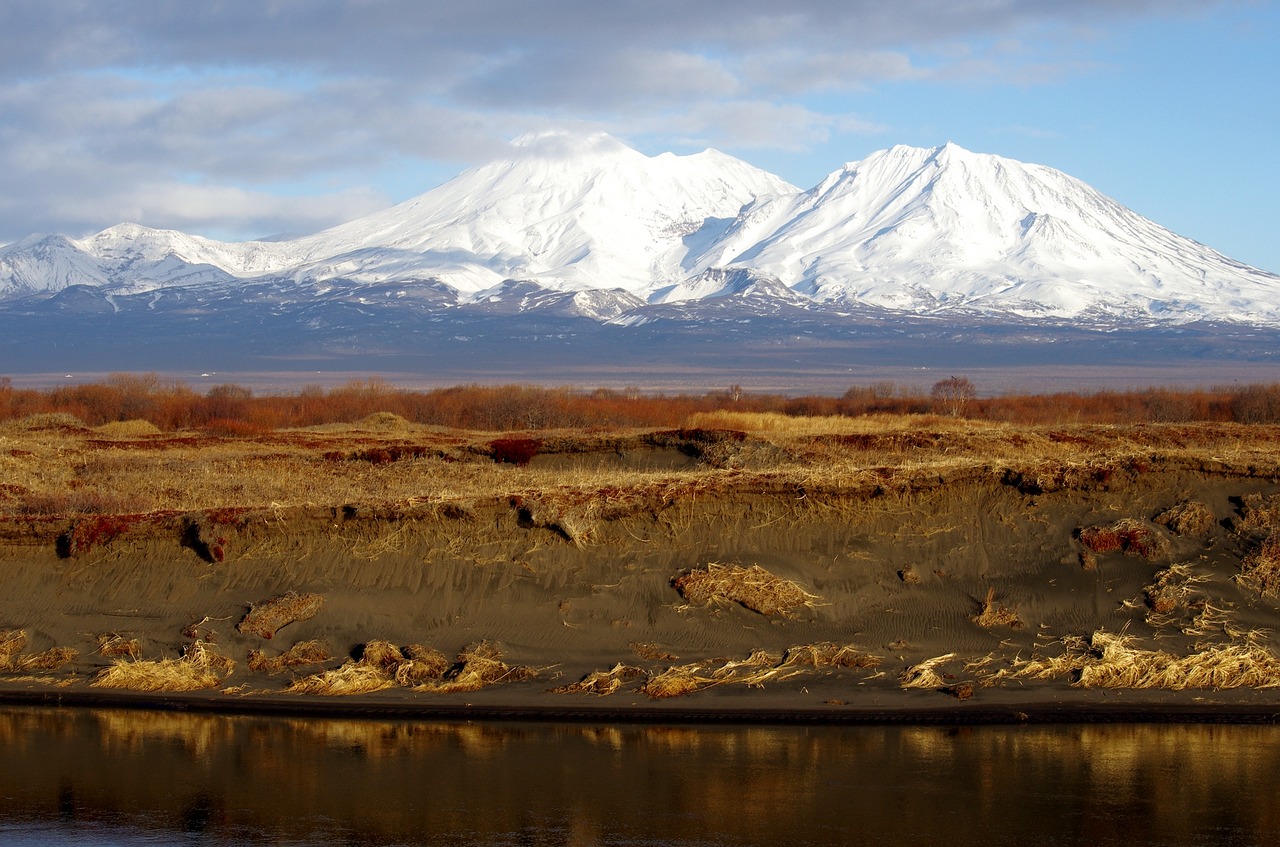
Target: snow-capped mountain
(946,229)
(586,227)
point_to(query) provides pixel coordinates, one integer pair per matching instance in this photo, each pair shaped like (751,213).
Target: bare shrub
(753,588)
(266,619)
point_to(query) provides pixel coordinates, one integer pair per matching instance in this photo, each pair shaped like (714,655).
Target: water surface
(108,777)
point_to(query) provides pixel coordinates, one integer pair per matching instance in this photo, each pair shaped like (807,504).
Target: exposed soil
(973,569)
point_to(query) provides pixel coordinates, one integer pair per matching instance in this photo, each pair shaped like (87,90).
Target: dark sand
(899,574)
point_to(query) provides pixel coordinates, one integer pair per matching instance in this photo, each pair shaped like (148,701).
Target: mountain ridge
(920,231)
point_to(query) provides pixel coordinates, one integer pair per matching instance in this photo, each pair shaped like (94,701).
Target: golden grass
(351,678)
(602,683)
(12,642)
(127,429)
(1173,591)
(1260,569)
(478,666)
(46,660)
(200,667)
(925,674)
(1191,518)
(12,659)
(776,423)
(828,654)
(62,470)
(421,665)
(115,646)
(991,614)
(266,619)
(1110,660)
(302,654)
(753,588)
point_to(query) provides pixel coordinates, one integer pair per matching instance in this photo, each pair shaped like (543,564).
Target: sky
(237,120)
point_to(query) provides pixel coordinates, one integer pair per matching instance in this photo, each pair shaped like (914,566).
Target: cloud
(179,113)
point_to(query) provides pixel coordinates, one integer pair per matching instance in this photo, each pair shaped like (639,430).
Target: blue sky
(241,119)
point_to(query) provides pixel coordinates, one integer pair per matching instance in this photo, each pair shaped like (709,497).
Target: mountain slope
(927,232)
(945,229)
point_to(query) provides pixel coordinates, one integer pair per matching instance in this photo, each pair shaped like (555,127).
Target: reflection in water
(123,777)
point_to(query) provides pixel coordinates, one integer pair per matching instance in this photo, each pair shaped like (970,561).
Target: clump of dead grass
(602,683)
(1110,660)
(12,642)
(1129,536)
(381,665)
(828,654)
(1191,519)
(200,667)
(421,664)
(753,588)
(1260,569)
(479,666)
(266,619)
(302,654)
(652,652)
(116,646)
(1173,591)
(992,614)
(351,678)
(12,659)
(925,674)
(1259,514)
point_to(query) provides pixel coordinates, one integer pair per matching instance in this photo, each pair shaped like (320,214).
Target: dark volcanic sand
(567,598)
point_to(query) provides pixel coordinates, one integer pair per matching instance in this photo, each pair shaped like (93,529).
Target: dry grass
(1109,660)
(478,666)
(421,665)
(652,652)
(991,614)
(351,678)
(200,667)
(302,654)
(12,642)
(1173,591)
(1260,570)
(12,659)
(753,588)
(266,619)
(1128,536)
(128,429)
(925,674)
(828,654)
(113,645)
(1191,519)
(602,683)
(46,660)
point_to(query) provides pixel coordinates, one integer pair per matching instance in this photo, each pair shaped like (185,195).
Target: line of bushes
(236,410)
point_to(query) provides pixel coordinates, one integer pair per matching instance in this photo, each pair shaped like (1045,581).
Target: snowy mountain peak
(921,230)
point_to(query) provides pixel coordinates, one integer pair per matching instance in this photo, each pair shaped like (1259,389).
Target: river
(120,777)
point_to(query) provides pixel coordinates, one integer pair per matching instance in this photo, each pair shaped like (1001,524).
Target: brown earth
(944,556)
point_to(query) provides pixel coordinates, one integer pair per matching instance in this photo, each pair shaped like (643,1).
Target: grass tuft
(266,619)
(200,667)
(990,614)
(753,588)
(302,654)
